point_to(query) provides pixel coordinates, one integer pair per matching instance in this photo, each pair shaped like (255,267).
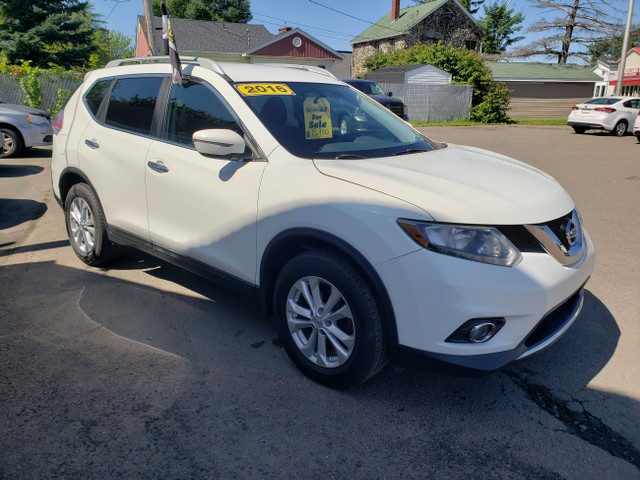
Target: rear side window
(603,101)
(193,107)
(94,96)
(132,103)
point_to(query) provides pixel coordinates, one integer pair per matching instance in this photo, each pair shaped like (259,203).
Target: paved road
(145,371)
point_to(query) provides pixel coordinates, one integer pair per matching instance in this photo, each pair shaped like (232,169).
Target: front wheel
(13,144)
(328,320)
(620,129)
(86,227)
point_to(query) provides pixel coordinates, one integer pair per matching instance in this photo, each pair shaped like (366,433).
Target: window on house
(470,44)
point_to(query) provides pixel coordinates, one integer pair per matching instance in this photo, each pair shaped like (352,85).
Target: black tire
(13,144)
(579,130)
(353,324)
(620,129)
(86,227)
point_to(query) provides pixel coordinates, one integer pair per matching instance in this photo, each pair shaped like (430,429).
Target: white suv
(366,244)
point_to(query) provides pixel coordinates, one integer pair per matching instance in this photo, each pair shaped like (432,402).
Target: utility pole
(148,19)
(625,47)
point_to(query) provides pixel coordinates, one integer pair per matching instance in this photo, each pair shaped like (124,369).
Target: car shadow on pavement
(192,372)
(14,211)
(13,171)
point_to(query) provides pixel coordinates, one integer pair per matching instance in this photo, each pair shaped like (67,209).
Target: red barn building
(239,42)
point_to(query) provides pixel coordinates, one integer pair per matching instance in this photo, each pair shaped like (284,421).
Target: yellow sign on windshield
(317,118)
(264,89)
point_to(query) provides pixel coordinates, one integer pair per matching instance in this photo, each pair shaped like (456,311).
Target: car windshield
(603,101)
(317,120)
(370,88)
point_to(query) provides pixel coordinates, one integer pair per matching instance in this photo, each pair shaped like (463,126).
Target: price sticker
(317,118)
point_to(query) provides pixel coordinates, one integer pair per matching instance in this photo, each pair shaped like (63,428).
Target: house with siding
(434,21)
(239,42)
(424,74)
(544,90)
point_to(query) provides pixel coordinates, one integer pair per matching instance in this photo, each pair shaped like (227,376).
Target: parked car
(613,114)
(24,127)
(374,91)
(636,127)
(365,245)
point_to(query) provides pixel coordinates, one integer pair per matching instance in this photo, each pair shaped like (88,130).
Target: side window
(94,96)
(132,103)
(193,107)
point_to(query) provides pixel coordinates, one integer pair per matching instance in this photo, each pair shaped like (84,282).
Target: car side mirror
(217,142)
(389,94)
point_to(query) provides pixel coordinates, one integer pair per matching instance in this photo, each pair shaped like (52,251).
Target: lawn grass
(470,123)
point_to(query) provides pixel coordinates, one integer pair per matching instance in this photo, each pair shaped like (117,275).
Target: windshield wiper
(348,155)
(411,150)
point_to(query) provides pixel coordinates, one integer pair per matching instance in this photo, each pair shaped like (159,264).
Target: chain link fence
(433,103)
(10,91)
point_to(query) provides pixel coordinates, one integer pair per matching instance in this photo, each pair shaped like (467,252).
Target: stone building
(433,21)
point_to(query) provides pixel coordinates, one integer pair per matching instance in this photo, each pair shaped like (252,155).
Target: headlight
(36,119)
(481,244)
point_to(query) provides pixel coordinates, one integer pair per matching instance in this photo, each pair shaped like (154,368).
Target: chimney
(395,10)
(284,29)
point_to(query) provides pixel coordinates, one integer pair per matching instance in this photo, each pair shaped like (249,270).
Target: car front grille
(397,109)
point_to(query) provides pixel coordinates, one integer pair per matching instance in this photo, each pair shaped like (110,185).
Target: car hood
(22,109)
(385,100)
(460,185)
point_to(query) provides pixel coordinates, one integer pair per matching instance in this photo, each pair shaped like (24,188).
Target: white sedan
(636,127)
(613,114)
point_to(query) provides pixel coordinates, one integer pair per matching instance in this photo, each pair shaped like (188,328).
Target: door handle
(157,167)
(91,144)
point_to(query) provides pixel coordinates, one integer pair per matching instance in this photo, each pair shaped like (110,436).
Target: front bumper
(433,295)
(37,135)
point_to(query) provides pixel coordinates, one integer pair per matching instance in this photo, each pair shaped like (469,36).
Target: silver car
(23,127)
(613,114)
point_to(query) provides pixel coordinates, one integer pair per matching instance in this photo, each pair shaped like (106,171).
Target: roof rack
(203,62)
(308,68)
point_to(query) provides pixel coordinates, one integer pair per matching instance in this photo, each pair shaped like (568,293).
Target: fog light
(476,330)
(482,332)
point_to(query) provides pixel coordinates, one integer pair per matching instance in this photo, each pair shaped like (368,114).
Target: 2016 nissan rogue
(368,244)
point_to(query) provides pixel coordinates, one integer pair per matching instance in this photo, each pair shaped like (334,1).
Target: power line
(351,16)
(349,35)
(318,33)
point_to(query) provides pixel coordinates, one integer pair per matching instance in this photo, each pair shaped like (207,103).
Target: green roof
(408,18)
(540,71)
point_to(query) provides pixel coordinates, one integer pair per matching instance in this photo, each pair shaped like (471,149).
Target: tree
(47,31)
(579,21)
(466,68)
(111,46)
(468,4)
(606,48)
(499,27)
(233,11)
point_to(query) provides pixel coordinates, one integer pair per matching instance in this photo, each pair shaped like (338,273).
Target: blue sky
(331,28)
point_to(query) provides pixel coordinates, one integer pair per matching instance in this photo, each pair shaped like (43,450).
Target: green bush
(466,68)
(493,109)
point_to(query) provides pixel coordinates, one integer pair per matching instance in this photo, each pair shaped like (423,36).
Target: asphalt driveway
(144,371)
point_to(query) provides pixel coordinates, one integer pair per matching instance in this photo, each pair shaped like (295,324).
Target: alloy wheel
(320,322)
(82,225)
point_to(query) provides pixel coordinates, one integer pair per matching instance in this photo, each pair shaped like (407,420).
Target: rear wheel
(86,227)
(328,320)
(620,129)
(579,130)
(13,144)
